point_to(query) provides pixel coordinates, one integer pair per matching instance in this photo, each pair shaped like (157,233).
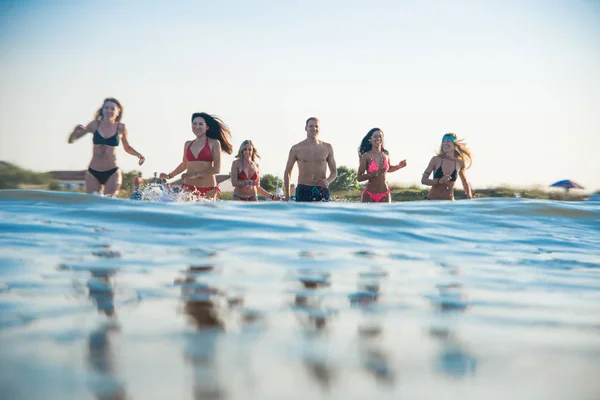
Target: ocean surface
(118,299)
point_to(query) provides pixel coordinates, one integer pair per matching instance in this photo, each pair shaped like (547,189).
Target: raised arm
(394,168)
(81,130)
(465,183)
(292,158)
(126,146)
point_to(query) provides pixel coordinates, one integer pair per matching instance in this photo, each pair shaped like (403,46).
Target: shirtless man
(313,157)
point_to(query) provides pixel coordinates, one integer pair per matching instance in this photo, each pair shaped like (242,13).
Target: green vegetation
(270,182)
(345,187)
(345,181)
(12,176)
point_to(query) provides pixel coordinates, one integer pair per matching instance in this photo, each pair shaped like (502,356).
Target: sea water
(110,299)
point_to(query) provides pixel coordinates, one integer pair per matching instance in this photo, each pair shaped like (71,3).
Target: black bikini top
(110,141)
(440,173)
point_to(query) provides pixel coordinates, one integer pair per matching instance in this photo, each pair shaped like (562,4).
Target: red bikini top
(203,155)
(243,177)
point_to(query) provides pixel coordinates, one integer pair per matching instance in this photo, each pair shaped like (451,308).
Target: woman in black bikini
(453,158)
(245,175)
(108,133)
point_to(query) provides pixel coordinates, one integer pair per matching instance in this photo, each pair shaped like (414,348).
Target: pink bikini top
(373,165)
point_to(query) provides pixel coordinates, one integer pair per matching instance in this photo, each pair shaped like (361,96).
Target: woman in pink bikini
(202,156)
(374,166)
(245,175)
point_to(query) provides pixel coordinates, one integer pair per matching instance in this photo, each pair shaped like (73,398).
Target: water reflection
(100,358)
(101,290)
(204,306)
(374,356)
(321,371)
(308,302)
(454,358)
(368,287)
(450,298)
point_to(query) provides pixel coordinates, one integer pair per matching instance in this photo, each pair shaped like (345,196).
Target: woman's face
(377,139)
(447,146)
(248,150)
(110,111)
(199,126)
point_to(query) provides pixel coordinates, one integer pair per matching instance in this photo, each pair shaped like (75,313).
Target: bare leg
(113,184)
(91,183)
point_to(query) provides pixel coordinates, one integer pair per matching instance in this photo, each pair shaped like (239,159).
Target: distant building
(69,180)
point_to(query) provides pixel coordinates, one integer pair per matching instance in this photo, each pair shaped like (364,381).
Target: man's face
(312,128)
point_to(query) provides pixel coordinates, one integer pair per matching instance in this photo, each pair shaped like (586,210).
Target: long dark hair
(366,145)
(216,130)
(100,114)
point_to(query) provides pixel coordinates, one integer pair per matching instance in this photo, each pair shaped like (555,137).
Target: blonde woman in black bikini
(245,175)
(108,133)
(453,159)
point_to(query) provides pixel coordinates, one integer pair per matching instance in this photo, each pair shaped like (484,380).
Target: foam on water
(111,298)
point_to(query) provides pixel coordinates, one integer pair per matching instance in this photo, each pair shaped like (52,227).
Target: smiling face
(447,146)
(248,151)
(377,139)
(110,111)
(199,126)
(312,128)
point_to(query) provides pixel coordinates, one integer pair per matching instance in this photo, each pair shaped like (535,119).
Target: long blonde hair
(461,151)
(241,150)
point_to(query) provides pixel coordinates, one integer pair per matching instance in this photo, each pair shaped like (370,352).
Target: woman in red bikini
(202,156)
(245,175)
(108,133)
(374,166)
(453,156)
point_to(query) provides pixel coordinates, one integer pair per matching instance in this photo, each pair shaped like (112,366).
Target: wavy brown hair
(100,115)
(461,151)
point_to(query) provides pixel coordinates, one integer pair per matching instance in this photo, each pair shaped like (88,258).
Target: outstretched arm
(81,130)
(127,147)
(288,172)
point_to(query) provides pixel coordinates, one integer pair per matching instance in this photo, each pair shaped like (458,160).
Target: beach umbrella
(567,184)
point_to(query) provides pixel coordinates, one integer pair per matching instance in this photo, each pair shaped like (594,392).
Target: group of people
(201,162)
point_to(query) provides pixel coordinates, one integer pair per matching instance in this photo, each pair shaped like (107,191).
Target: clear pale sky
(518,80)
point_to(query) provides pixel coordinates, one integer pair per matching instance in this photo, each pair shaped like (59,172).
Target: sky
(519,81)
